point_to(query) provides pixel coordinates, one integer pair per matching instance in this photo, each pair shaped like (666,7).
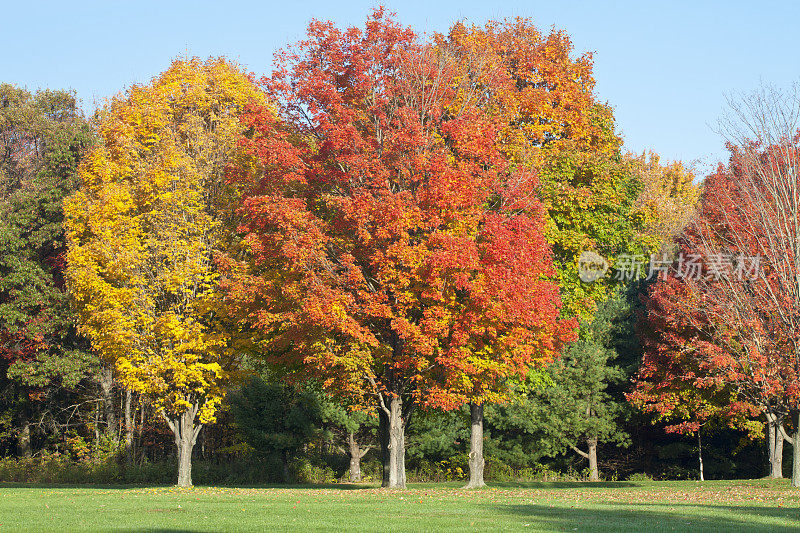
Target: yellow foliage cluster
(152,211)
(667,201)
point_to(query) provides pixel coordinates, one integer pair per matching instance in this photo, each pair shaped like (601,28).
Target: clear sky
(665,67)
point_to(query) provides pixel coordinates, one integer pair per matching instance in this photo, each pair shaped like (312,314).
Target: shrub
(306,472)
(640,476)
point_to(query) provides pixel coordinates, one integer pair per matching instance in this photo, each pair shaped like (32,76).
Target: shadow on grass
(20,485)
(299,486)
(790,513)
(563,484)
(614,516)
(116,486)
(453,485)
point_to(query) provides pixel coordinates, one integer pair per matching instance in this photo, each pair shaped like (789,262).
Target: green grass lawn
(758,505)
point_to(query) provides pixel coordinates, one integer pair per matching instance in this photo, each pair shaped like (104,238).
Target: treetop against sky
(665,69)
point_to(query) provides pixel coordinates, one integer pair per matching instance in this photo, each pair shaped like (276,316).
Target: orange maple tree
(543,98)
(391,249)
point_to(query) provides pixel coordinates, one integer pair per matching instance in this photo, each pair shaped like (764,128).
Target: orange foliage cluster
(393,248)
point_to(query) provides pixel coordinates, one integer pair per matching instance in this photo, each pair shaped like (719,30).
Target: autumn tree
(551,125)
(748,232)
(746,253)
(596,198)
(547,106)
(541,99)
(152,211)
(45,364)
(666,201)
(394,252)
(675,382)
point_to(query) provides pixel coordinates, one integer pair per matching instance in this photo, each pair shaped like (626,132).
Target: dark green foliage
(571,402)
(43,361)
(436,436)
(577,405)
(276,420)
(42,137)
(295,427)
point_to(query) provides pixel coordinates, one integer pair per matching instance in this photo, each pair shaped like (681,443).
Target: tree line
(387,228)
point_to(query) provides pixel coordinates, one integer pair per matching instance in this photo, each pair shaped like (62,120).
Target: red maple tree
(392,251)
(678,380)
(740,304)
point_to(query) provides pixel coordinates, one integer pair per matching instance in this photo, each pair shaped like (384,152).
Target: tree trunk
(185,438)
(700,453)
(96,428)
(24,438)
(770,429)
(285,466)
(397,444)
(383,438)
(594,472)
(140,433)
(356,453)
(796,452)
(476,459)
(107,396)
(776,465)
(128,426)
(775,447)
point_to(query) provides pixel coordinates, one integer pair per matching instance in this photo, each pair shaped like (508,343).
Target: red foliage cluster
(725,342)
(389,245)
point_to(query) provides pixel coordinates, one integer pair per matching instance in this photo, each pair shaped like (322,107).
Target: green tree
(576,409)
(353,427)
(45,364)
(575,404)
(277,420)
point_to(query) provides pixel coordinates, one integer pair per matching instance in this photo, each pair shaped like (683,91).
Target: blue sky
(665,67)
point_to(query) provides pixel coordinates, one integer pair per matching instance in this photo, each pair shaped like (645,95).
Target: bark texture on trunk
(129,426)
(186,433)
(700,454)
(775,446)
(356,454)
(107,396)
(383,438)
(594,471)
(476,459)
(796,451)
(397,444)
(139,447)
(776,465)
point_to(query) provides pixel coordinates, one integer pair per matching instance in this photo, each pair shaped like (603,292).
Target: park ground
(758,505)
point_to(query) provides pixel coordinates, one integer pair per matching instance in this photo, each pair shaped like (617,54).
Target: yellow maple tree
(153,209)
